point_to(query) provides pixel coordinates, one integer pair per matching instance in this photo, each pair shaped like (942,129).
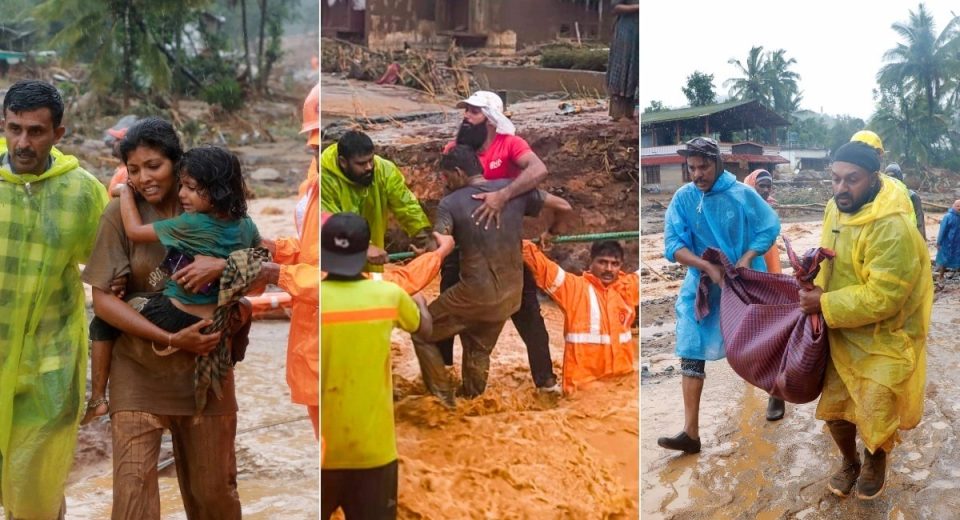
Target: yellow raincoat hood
(878,296)
(46,230)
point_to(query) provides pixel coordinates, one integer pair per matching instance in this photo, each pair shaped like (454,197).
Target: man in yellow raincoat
(354,179)
(876,297)
(50,212)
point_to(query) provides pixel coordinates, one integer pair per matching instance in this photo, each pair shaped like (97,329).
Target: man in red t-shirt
(503,155)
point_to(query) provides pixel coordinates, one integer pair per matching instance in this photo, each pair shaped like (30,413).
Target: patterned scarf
(243,267)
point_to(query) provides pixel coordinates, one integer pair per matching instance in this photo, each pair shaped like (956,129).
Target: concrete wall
(392,23)
(537,80)
(508,24)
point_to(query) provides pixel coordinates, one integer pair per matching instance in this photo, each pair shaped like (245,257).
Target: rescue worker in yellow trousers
(876,296)
(597,312)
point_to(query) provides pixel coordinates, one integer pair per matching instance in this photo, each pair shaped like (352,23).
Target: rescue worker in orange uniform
(296,270)
(598,309)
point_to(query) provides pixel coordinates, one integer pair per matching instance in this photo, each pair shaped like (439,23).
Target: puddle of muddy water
(277,454)
(511,453)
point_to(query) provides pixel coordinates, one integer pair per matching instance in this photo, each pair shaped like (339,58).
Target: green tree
(782,83)
(753,83)
(699,89)
(811,132)
(842,130)
(119,39)
(925,61)
(655,106)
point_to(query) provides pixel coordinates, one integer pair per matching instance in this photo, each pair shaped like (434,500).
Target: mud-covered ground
(512,453)
(750,468)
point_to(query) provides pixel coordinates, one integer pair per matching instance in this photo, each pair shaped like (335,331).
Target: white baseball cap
(483,99)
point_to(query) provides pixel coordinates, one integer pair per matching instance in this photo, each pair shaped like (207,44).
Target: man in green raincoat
(354,179)
(49,212)
(876,296)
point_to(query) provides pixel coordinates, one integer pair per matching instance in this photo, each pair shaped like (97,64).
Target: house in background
(663,133)
(501,26)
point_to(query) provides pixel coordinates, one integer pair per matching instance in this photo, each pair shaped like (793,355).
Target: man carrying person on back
(491,273)
(503,156)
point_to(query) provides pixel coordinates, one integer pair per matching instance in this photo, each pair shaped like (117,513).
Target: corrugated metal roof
(689,112)
(656,160)
(730,116)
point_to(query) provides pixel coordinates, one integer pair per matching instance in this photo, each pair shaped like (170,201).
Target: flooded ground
(751,468)
(512,453)
(277,454)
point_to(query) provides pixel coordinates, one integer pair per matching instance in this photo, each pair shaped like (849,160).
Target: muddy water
(277,456)
(512,453)
(751,468)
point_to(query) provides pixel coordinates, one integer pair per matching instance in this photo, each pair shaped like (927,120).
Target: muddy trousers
(363,494)
(478,339)
(205,460)
(527,320)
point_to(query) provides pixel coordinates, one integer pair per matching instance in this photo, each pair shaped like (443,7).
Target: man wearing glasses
(713,210)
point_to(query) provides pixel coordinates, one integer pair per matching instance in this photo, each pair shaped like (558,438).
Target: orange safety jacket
(412,277)
(300,278)
(597,319)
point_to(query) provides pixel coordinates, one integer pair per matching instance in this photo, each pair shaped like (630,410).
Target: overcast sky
(838,45)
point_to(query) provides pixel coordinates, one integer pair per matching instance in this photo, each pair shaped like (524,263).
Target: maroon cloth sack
(769,341)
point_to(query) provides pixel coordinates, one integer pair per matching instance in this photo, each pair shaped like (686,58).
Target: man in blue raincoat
(714,210)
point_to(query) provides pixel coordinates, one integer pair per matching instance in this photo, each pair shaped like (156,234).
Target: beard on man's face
(472,135)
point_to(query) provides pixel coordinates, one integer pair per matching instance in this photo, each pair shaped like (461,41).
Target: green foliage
(655,106)
(564,57)
(699,89)
(766,77)
(226,93)
(842,130)
(919,93)
(811,132)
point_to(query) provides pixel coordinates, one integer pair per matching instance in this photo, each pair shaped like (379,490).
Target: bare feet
(96,407)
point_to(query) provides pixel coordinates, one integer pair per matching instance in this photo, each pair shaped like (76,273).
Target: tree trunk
(246,42)
(260,56)
(127,55)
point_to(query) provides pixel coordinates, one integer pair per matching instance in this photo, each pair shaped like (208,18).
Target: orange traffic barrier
(271,306)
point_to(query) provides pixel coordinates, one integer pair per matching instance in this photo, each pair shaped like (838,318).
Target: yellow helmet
(869,138)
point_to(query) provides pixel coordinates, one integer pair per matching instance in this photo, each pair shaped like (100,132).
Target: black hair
(464,157)
(29,95)
(354,143)
(715,159)
(606,248)
(156,134)
(219,179)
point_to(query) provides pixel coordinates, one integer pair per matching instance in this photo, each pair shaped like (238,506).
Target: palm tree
(782,83)
(753,83)
(925,61)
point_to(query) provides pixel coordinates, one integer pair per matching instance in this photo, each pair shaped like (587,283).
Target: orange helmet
(311,111)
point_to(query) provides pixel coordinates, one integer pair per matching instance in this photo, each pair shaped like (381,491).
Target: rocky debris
(266,175)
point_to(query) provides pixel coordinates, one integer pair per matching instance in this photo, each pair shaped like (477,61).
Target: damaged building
(500,26)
